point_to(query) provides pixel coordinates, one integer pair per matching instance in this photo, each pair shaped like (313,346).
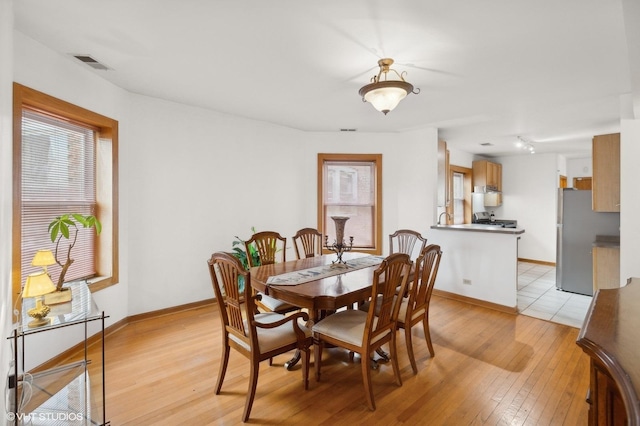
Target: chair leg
(224,360)
(253,382)
(412,357)
(317,357)
(394,358)
(366,380)
(427,335)
(305,367)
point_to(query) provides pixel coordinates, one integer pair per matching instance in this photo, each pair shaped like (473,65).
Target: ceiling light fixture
(386,94)
(527,146)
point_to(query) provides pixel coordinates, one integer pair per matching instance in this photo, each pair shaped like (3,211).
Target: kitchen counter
(609,241)
(479,264)
(476,227)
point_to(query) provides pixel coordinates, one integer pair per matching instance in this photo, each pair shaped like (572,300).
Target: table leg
(293,361)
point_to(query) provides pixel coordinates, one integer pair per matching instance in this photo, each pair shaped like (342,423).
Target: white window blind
(349,190)
(458,198)
(58,177)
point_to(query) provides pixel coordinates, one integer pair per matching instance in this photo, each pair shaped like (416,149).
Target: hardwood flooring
(490,368)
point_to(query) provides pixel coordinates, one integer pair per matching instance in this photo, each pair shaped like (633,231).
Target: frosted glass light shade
(385,99)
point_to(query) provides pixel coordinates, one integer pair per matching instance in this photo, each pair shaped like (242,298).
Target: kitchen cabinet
(487,173)
(606,266)
(606,173)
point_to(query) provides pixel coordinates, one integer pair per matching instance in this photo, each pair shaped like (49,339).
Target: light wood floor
(490,368)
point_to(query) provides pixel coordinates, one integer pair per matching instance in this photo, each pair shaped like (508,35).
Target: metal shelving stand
(60,395)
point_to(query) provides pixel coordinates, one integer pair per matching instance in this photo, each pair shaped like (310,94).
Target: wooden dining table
(325,294)
(344,288)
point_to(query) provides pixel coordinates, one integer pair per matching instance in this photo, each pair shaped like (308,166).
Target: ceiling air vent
(486,144)
(347,130)
(91,62)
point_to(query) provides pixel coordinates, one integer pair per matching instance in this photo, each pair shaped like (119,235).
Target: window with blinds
(350,186)
(458,198)
(58,175)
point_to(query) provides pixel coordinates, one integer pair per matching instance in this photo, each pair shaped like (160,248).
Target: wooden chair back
(404,241)
(270,245)
(392,273)
(415,308)
(426,272)
(232,288)
(308,242)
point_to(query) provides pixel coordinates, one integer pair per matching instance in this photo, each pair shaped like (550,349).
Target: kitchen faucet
(440,217)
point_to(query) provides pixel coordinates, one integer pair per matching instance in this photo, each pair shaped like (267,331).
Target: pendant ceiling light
(385,94)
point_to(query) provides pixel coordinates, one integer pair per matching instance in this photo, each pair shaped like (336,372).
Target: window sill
(100,283)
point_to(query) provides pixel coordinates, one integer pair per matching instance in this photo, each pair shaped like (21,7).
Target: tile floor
(539,298)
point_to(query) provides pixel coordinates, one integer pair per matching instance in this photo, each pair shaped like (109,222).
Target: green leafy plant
(240,252)
(63,226)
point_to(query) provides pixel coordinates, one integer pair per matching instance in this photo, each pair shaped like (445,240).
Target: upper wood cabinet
(487,173)
(606,173)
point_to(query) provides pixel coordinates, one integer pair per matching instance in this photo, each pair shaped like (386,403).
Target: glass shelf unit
(60,395)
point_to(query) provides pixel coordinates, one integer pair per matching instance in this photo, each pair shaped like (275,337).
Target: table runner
(324,271)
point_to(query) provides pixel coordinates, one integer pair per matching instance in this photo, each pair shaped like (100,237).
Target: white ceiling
(552,72)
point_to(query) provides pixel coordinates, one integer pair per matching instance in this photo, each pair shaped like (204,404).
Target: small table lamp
(43,258)
(37,285)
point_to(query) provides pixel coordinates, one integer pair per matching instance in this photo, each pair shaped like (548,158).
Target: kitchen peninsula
(479,264)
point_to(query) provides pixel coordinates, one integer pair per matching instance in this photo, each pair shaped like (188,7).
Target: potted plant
(240,253)
(64,226)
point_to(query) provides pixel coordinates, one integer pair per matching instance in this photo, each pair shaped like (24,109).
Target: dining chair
(363,332)
(404,241)
(256,336)
(414,306)
(414,309)
(270,248)
(308,241)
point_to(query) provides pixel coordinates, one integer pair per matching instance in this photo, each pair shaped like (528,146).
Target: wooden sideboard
(610,335)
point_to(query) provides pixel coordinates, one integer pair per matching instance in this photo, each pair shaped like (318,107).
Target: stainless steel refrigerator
(578,225)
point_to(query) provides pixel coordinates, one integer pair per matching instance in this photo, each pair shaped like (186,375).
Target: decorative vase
(339,247)
(340,222)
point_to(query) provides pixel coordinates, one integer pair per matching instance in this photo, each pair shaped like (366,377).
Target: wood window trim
(377,160)
(468,173)
(108,263)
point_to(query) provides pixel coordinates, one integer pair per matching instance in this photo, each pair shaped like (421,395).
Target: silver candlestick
(339,246)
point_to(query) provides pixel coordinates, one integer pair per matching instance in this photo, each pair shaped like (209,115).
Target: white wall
(529,189)
(6,184)
(460,158)
(629,199)
(578,167)
(201,178)
(562,167)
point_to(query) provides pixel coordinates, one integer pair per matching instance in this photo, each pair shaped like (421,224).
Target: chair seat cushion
(347,326)
(402,311)
(274,304)
(273,338)
(365,307)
